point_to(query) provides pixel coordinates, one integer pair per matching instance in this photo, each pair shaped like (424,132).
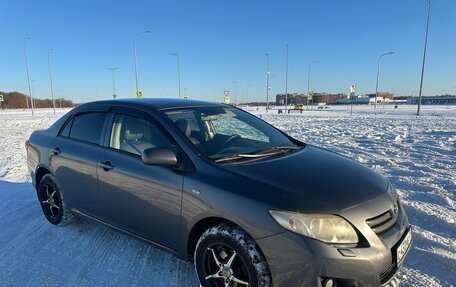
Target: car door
(142,199)
(74,158)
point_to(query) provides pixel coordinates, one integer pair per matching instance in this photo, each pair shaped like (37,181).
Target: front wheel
(226,256)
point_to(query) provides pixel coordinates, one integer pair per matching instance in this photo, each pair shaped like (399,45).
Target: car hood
(308,180)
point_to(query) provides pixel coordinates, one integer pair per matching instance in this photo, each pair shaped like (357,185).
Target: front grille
(383,222)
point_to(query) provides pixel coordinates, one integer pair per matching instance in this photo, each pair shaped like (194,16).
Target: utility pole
(247,94)
(286,82)
(28,74)
(424,57)
(378,73)
(308,81)
(136,64)
(178,72)
(267,86)
(50,78)
(113,82)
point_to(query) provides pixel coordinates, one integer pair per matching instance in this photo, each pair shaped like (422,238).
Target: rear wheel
(226,256)
(52,202)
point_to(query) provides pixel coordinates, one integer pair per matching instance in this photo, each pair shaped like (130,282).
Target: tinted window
(66,130)
(88,127)
(226,131)
(189,116)
(134,135)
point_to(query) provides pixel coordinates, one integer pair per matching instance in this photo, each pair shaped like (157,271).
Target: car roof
(153,103)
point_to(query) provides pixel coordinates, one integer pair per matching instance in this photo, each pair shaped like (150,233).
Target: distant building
(293,99)
(382,96)
(340,98)
(357,100)
(368,99)
(385,95)
(326,98)
(437,100)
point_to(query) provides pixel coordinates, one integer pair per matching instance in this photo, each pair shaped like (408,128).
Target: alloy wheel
(51,201)
(223,267)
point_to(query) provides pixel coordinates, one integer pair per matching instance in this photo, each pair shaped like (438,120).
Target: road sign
(310,96)
(1,98)
(226,98)
(139,94)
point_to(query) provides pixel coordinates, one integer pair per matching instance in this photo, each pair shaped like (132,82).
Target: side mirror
(159,156)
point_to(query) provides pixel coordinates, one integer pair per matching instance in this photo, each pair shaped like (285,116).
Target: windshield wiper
(276,149)
(238,156)
(261,153)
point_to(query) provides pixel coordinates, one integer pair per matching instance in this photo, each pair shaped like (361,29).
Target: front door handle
(106,165)
(56,150)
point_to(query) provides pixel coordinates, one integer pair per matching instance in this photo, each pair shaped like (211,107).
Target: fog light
(328,283)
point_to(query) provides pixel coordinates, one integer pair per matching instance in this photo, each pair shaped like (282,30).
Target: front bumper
(298,261)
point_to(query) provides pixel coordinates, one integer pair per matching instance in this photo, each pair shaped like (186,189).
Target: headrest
(130,136)
(184,126)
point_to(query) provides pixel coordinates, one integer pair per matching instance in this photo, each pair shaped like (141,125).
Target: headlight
(325,227)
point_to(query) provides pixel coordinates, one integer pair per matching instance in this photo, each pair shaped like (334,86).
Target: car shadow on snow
(36,253)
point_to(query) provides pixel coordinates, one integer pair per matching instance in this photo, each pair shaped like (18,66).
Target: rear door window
(88,127)
(134,135)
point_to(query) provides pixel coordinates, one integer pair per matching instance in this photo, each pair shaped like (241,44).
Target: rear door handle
(56,150)
(106,165)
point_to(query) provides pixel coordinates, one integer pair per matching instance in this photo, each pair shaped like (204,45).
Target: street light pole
(50,78)
(424,57)
(33,87)
(378,73)
(286,82)
(308,78)
(267,86)
(134,56)
(28,74)
(247,94)
(178,72)
(113,82)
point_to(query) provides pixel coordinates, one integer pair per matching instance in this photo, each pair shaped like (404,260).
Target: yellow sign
(1,98)
(226,98)
(139,94)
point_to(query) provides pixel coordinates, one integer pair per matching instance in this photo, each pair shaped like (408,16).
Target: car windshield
(227,133)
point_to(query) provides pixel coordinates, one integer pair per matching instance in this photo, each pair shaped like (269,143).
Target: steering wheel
(230,139)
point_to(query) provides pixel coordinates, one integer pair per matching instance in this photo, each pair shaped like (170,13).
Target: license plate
(404,246)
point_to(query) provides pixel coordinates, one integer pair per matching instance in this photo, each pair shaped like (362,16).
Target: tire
(226,256)
(52,202)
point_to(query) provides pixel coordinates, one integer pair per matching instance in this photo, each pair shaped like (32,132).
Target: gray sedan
(213,184)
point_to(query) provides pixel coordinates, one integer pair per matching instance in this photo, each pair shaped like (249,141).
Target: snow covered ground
(417,154)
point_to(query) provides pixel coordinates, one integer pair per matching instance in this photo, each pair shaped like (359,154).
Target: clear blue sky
(224,41)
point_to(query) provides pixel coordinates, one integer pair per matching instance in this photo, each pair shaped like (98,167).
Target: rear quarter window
(88,127)
(66,129)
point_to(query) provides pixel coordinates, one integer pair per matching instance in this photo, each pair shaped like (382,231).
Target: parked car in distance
(213,184)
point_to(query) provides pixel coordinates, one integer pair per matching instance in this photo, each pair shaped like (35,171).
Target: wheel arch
(40,172)
(199,228)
